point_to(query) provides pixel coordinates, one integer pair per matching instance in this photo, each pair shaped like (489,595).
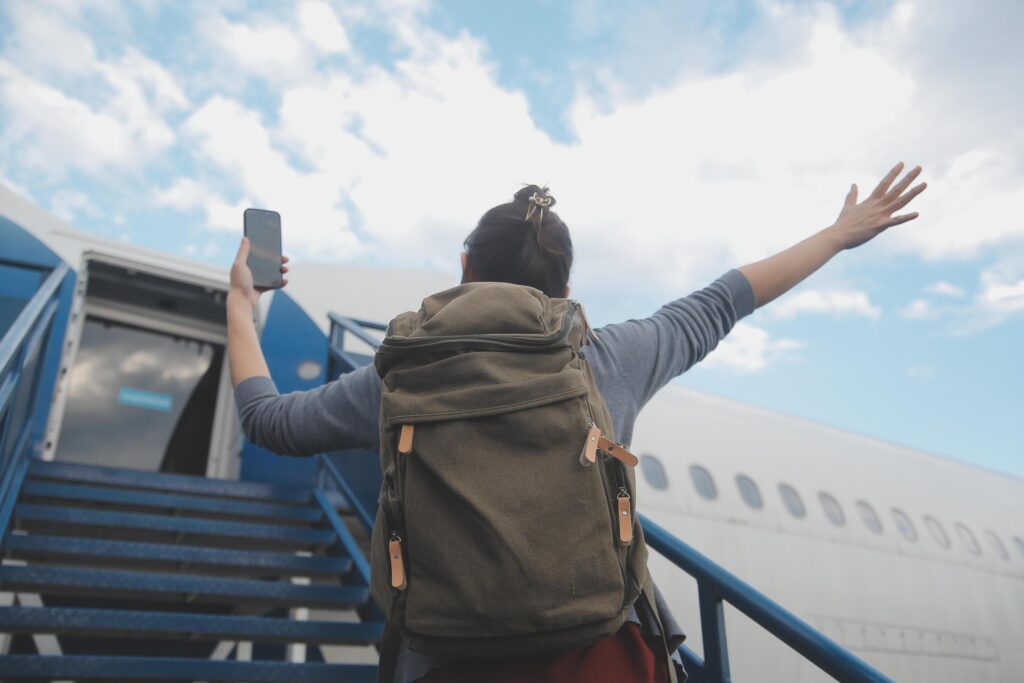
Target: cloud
(835,303)
(232,139)
(920,309)
(944,288)
(116,120)
(322,28)
(733,156)
(749,349)
(69,204)
(922,372)
(183,194)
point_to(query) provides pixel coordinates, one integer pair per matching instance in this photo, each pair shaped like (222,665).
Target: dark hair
(505,246)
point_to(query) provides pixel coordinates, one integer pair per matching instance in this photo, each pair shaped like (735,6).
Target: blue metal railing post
(712,625)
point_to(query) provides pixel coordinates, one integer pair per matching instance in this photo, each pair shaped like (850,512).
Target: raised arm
(340,414)
(244,352)
(857,223)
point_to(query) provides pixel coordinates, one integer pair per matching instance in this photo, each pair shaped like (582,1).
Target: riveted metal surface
(177,587)
(157,668)
(68,519)
(171,501)
(159,481)
(139,624)
(252,563)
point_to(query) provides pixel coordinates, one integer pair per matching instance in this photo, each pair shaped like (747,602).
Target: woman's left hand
(858,223)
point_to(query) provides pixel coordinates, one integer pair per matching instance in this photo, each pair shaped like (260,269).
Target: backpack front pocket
(488,516)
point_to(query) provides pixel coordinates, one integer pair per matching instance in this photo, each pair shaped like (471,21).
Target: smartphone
(263,228)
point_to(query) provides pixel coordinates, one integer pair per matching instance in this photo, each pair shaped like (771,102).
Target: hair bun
(536,195)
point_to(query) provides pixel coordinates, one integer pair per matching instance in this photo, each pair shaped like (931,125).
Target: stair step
(67,520)
(252,563)
(114,623)
(37,489)
(160,481)
(77,581)
(164,668)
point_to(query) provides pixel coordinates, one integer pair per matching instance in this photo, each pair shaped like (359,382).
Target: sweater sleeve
(647,353)
(338,415)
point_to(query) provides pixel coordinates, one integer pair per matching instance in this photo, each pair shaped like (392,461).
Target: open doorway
(146,384)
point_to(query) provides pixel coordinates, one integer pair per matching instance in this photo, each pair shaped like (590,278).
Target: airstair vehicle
(142,539)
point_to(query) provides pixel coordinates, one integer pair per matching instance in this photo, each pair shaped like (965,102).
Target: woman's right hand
(241,277)
(858,223)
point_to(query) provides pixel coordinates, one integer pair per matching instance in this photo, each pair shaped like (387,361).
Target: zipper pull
(588,456)
(617,450)
(405,440)
(625,518)
(397,563)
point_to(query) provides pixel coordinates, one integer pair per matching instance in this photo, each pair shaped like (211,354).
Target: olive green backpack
(506,523)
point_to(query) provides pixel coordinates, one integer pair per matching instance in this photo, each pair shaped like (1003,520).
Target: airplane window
(904,524)
(1020,545)
(792,500)
(869,517)
(997,545)
(832,510)
(749,492)
(937,532)
(968,539)
(703,482)
(653,471)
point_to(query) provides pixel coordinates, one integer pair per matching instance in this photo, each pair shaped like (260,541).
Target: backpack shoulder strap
(650,609)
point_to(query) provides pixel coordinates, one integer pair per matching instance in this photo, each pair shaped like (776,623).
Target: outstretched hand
(858,223)
(241,276)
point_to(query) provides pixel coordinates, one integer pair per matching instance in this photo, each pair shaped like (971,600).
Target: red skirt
(626,657)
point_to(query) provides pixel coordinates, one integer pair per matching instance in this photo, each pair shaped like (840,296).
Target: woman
(524,242)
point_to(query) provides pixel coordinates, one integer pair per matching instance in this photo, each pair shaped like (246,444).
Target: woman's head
(508,246)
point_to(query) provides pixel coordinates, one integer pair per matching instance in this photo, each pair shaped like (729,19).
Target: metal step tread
(166,668)
(176,587)
(183,483)
(173,501)
(52,547)
(140,624)
(71,517)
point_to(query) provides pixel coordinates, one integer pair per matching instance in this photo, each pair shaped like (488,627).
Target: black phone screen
(263,228)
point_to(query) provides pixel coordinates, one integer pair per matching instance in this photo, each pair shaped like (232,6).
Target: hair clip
(537,202)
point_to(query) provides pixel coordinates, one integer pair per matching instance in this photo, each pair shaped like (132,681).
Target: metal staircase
(121,567)
(114,574)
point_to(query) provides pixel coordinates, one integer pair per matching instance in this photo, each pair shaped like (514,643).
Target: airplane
(912,561)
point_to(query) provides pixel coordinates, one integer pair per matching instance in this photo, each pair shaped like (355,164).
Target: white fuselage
(916,610)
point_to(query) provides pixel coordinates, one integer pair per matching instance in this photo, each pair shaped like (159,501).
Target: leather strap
(390,643)
(647,594)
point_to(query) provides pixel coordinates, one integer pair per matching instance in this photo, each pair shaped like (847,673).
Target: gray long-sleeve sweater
(630,360)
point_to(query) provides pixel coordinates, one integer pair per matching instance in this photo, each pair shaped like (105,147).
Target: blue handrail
(336,342)
(715,584)
(21,365)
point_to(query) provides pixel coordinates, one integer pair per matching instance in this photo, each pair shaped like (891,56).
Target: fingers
(902,185)
(905,199)
(284,281)
(243,250)
(851,196)
(900,219)
(284,269)
(285,259)
(884,184)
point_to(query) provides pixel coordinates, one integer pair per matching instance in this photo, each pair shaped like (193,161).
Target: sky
(681,139)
